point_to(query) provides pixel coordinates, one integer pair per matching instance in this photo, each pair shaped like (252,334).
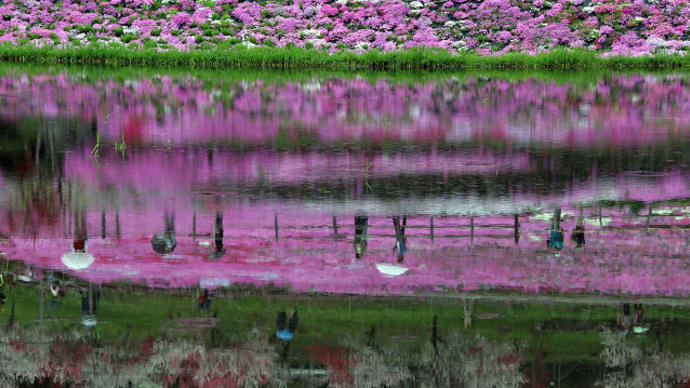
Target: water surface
(435,193)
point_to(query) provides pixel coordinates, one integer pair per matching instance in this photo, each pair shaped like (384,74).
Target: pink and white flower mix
(625,27)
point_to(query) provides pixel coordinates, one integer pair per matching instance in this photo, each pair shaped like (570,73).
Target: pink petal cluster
(640,27)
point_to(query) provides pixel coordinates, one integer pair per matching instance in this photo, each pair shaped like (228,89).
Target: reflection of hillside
(616,111)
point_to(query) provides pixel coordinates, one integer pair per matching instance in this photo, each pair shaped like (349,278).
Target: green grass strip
(298,58)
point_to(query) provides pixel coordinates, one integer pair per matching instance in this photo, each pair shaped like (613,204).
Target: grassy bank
(221,78)
(297,58)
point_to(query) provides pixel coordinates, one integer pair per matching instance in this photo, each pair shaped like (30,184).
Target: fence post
(649,216)
(601,224)
(472,230)
(275,223)
(194,225)
(335,228)
(41,297)
(102,223)
(431,227)
(516,228)
(117,224)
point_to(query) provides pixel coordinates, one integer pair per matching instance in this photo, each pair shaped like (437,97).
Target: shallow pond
(485,228)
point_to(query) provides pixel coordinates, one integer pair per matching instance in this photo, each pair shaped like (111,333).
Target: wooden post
(102,223)
(194,225)
(601,223)
(117,224)
(41,300)
(516,228)
(472,230)
(649,216)
(64,221)
(275,223)
(335,228)
(90,298)
(431,227)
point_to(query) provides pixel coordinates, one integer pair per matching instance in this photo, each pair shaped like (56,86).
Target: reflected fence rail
(382,226)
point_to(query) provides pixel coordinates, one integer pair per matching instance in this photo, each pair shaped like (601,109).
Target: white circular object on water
(390,270)
(77,260)
(89,321)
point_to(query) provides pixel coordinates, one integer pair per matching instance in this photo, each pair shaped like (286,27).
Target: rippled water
(371,204)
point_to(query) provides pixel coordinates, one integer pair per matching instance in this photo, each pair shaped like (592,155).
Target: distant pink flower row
(620,111)
(489,27)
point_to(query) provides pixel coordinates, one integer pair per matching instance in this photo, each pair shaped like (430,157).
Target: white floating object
(89,321)
(640,329)
(204,243)
(390,270)
(77,260)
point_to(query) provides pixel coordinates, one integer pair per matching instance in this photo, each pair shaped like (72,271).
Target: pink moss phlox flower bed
(630,28)
(614,261)
(620,256)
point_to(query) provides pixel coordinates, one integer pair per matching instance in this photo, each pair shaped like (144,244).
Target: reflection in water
(361,235)
(400,239)
(178,224)
(159,339)
(165,243)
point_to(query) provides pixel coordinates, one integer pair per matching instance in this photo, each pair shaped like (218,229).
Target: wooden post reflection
(90,298)
(516,228)
(194,225)
(335,228)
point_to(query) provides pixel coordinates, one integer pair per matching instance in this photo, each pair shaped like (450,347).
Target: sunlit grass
(298,58)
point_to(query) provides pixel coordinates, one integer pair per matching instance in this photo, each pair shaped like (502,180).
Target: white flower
(588,9)
(130,30)
(655,42)
(312,86)
(362,45)
(449,24)
(416,5)
(311,32)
